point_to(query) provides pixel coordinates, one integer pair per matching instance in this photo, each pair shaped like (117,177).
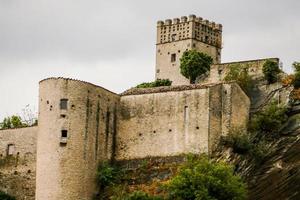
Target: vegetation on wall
(194,64)
(263,127)
(201,178)
(16,121)
(197,178)
(271,70)
(296,66)
(4,196)
(107,175)
(156,83)
(240,74)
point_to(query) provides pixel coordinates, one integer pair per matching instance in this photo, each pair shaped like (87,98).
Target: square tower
(175,37)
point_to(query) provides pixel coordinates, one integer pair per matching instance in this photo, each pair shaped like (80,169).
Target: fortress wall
(219,71)
(66,166)
(18,162)
(163,124)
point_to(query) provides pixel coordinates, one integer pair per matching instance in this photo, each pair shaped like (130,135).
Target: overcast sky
(111,43)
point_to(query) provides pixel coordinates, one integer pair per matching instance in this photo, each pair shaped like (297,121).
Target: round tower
(69,132)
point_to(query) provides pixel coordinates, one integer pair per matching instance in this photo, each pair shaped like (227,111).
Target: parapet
(190,18)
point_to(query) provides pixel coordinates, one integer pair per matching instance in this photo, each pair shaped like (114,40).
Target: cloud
(112,43)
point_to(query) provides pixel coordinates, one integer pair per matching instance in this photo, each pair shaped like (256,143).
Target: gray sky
(111,43)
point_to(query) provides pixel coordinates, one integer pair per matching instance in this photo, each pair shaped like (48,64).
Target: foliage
(269,121)
(295,94)
(203,179)
(107,175)
(138,195)
(12,122)
(194,64)
(156,83)
(239,140)
(271,71)
(296,66)
(241,76)
(288,80)
(245,143)
(4,196)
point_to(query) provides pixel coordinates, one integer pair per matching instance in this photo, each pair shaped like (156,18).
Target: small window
(64,133)
(173,37)
(10,149)
(173,57)
(157,71)
(64,104)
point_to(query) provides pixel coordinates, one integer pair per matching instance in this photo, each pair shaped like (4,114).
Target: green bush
(241,76)
(271,71)
(239,140)
(4,196)
(138,195)
(107,175)
(203,179)
(12,122)
(156,83)
(194,64)
(267,123)
(296,66)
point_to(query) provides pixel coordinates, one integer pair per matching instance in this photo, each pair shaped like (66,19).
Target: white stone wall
(17,171)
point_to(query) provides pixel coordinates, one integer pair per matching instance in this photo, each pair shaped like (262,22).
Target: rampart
(18,162)
(175,120)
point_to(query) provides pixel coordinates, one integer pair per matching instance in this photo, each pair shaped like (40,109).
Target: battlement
(190,27)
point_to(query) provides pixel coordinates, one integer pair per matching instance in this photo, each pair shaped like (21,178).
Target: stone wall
(219,71)
(67,162)
(168,123)
(18,162)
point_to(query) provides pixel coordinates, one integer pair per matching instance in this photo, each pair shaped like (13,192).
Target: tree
(296,66)
(204,179)
(156,83)
(194,64)
(241,76)
(14,121)
(271,71)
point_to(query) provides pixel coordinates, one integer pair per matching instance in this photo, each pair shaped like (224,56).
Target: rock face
(278,177)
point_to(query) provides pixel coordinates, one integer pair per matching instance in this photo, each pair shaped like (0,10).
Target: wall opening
(186,114)
(64,104)
(10,149)
(173,57)
(64,133)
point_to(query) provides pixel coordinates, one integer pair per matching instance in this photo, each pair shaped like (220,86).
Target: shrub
(269,121)
(241,76)
(194,64)
(296,66)
(288,80)
(4,196)
(271,71)
(201,178)
(239,140)
(138,195)
(14,121)
(107,175)
(156,83)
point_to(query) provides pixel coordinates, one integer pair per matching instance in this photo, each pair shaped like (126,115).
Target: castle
(81,124)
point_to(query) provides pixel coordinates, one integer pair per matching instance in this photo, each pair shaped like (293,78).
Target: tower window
(64,134)
(173,57)
(64,104)
(173,37)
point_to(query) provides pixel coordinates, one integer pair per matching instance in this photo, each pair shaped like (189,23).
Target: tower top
(190,18)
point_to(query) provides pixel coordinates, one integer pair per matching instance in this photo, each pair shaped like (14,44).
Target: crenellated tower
(179,35)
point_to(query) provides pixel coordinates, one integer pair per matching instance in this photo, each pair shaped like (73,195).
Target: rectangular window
(173,57)
(64,104)
(64,134)
(10,149)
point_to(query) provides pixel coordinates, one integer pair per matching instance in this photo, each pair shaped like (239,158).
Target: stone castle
(81,124)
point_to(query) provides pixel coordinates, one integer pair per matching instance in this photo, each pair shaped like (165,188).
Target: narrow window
(64,104)
(186,114)
(10,149)
(173,57)
(64,134)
